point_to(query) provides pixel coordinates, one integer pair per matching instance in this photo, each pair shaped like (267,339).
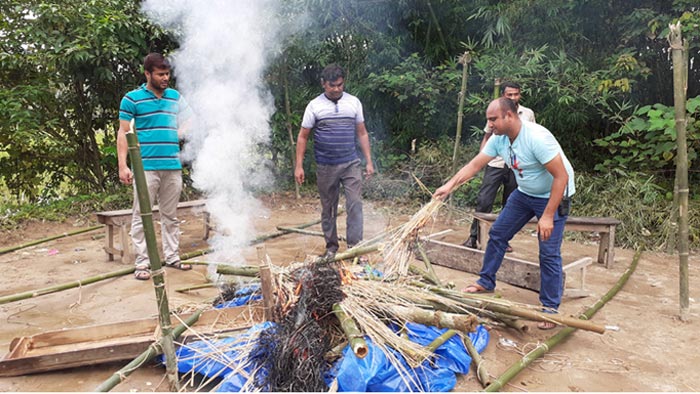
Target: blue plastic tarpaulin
(372,373)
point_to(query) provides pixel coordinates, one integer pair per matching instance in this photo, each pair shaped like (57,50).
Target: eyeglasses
(514,161)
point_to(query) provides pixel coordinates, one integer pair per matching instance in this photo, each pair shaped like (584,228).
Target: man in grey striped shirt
(338,125)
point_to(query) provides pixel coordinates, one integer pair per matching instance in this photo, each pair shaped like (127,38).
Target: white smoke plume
(225,46)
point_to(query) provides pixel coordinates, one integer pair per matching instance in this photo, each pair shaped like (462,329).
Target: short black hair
(332,72)
(155,60)
(506,104)
(509,84)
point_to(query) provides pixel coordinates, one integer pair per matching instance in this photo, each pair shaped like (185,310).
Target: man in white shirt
(497,172)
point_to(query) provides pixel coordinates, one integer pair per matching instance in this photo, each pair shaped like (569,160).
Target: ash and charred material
(292,352)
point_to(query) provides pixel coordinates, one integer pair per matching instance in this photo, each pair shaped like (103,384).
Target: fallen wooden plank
(98,344)
(513,271)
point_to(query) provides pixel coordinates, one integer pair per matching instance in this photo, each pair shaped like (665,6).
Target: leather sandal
(142,272)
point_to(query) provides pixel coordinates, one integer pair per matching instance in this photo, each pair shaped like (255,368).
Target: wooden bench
(121,218)
(514,271)
(603,225)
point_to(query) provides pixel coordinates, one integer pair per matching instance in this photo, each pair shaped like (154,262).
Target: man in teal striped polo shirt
(159,114)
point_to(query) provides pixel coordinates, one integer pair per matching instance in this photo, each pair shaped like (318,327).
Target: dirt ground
(651,351)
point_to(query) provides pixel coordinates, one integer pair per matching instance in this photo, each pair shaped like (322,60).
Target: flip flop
(142,273)
(546,325)
(476,289)
(179,265)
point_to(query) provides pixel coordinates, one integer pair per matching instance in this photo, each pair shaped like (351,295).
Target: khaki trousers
(164,187)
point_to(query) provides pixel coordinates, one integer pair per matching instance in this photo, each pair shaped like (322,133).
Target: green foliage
(647,141)
(431,163)
(414,100)
(638,201)
(64,68)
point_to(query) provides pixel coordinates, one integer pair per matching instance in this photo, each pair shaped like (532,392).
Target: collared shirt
(156,121)
(524,113)
(534,147)
(334,125)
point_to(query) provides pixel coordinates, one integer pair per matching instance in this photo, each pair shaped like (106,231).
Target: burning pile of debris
(321,307)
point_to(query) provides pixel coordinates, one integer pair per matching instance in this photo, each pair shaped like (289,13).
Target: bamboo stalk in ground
(485,303)
(680,84)
(288,123)
(266,284)
(47,239)
(64,286)
(156,268)
(352,333)
(152,351)
(478,362)
(557,338)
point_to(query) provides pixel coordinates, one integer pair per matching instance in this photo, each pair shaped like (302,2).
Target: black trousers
(493,179)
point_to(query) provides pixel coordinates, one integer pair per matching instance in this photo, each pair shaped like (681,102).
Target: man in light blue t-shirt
(544,176)
(338,126)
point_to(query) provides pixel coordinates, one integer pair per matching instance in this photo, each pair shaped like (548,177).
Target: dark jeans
(329,178)
(519,209)
(493,179)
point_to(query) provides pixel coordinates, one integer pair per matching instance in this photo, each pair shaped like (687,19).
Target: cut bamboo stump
(353,334)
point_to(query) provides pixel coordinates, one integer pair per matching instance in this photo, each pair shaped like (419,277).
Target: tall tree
(64,67)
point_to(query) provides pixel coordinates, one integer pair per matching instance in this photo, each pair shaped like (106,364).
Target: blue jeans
(519,209)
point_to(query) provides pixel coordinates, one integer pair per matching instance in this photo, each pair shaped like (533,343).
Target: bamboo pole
(153,350)
(305,232)
(266,284)
(439,319)
(195,287)
(440,340)
(156,268)
(288,122)
(357,251)
(465,59)
(240,270)
(47,239)
(680,73)
(64,286)
(485,303)
(478,362)
(428,266)
(354,335)
(417,271)
(557,338)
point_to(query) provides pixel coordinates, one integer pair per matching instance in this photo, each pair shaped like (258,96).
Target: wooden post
(288,122)
(156,268)
(266,285)
(464,60)
(680,80)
